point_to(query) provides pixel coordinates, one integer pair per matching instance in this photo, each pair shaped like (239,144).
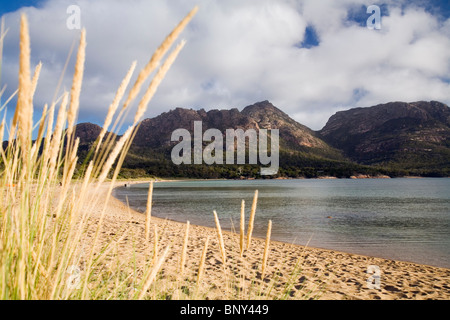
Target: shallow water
(403,219)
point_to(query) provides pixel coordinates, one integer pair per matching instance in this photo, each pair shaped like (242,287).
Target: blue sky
(309,58)
(11,6)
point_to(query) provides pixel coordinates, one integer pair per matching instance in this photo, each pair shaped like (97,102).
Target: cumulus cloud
(241,52)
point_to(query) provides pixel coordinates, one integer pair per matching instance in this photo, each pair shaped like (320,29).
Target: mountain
(394,139)
(413,136)
(156,132)
(294,135)
(302,151)
(87,132)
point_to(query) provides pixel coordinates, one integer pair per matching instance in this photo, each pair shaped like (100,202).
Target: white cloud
(241,52)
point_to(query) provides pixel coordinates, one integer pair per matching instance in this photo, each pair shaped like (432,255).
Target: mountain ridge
(355,141)
(399,133)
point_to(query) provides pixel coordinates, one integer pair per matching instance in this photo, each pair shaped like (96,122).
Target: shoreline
(133,182)
(272,240)
(346,273)
(359,177)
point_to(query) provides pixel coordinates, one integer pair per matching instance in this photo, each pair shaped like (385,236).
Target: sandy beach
(320,273)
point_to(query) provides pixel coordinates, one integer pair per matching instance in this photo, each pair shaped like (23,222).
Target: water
(401,219)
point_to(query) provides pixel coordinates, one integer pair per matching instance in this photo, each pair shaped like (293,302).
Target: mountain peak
(261,115)
(261,107)
(395,131)
(87,131)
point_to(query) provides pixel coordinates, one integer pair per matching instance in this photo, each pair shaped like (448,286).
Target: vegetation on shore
(290,167)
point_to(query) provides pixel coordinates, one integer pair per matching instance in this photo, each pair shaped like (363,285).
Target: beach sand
(322,274)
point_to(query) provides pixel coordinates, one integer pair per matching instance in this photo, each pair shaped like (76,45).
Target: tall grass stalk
(24,107)
(114,105)
(143,75)
(76,86)
(220,238)
(201,266)
(184,249)
(148,211)
(35,79)
(155,245)
(252,219)
(157,56)
(266,249)
(242,229)
(152,275)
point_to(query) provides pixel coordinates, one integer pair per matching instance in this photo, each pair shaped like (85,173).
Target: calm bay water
(402,219)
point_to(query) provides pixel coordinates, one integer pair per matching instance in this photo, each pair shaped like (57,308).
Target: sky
(310,58)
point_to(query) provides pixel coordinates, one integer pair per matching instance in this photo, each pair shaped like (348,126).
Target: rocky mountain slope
(409,135)
(156,132)
(395,138)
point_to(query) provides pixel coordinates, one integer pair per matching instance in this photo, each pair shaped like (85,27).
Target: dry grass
(242,229)
(148,211)
(41,225)
(184,250)
(43,229)
(76,85)
(202,262)
(252,219)
(220,239)
(266,249)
